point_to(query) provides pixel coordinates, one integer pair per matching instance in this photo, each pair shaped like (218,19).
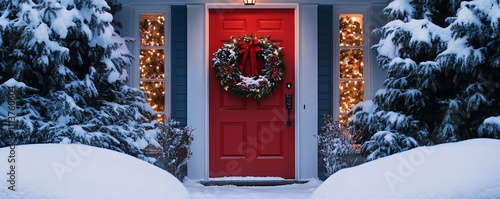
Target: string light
(152,62)
(351,63)
(152,30)
(351,31)
(351,93)
(351,68)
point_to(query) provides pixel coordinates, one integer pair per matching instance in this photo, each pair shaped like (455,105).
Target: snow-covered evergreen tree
(442,64)
(67,64)
(471,65)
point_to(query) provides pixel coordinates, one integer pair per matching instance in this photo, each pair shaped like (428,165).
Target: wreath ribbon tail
(252,50)
(255,64)
(243,59)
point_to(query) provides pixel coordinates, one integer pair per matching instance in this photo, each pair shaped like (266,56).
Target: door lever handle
(288,106)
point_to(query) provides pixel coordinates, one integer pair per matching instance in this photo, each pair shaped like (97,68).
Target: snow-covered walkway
(294,191)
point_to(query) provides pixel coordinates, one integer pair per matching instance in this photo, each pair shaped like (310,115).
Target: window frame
(152,8)
(363,10)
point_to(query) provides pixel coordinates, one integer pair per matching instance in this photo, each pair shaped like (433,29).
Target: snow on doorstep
(293,191)
(62,171)
(247,178)
(465,170)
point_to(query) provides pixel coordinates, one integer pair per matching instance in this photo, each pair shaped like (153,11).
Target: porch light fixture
(249,2)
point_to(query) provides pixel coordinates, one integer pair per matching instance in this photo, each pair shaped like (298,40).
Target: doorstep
(252,182)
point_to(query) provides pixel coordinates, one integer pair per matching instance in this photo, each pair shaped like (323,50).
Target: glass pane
(351,93)
(351,30)
(351,63)
(152,29)
(152,62)
(156,91)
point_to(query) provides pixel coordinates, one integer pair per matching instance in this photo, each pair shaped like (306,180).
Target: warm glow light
(249,2)
(152,62)
(351,70)
(152,30)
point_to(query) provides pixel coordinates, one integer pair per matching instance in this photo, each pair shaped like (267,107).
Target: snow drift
(62,171)
(466,170)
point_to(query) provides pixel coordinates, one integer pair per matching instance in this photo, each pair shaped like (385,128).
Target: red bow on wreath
(250,48)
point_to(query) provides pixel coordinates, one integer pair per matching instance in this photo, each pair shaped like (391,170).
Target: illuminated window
(351,78)
(152,61)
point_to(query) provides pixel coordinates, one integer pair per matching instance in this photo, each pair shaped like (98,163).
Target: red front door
(250,137)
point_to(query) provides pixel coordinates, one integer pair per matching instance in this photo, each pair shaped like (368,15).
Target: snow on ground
(294,191)
(61,171)
(465,170)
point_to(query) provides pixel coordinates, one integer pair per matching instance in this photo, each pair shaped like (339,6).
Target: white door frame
(306,89)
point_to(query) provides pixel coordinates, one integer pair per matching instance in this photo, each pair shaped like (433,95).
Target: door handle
(288,106)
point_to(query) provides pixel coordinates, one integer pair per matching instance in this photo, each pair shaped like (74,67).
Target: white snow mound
(465,170)
(62,171)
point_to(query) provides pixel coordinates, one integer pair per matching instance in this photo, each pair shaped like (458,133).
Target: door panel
(274,102)
(250,137)
(232,133)
(271,135)
(228,102)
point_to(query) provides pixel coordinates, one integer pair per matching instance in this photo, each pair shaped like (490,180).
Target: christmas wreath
(266,60)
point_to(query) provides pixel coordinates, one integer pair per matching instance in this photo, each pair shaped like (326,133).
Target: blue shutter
(179,63)
(325,68)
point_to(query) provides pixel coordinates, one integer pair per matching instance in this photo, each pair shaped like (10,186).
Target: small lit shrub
(176,148)
(336,147)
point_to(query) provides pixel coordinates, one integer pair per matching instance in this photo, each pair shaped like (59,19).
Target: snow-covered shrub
(176,148)
(335,147)
(443,66)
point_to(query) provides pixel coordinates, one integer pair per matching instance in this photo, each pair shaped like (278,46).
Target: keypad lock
(288,106)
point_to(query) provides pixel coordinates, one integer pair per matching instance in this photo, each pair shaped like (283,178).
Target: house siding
(179,77)
(325,69)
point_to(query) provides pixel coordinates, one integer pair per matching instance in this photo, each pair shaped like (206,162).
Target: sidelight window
(351,78)
(152,61)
